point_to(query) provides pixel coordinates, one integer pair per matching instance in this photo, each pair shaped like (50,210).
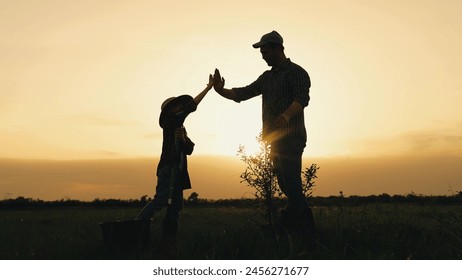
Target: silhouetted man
(285,93)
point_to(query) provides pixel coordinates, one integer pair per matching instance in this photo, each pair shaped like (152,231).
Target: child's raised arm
(201,95)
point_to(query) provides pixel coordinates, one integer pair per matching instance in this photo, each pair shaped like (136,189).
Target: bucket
(129,239)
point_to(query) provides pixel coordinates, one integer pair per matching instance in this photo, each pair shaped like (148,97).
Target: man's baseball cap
(272,37)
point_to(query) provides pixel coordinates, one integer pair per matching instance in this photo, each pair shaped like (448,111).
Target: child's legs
(172,217)
(161,196)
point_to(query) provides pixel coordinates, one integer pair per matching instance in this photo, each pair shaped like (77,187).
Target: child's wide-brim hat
(172,102)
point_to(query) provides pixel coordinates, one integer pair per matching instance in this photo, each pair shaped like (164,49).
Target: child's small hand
(201,95)
(180,134)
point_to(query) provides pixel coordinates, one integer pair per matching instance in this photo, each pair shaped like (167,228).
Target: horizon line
(304,157)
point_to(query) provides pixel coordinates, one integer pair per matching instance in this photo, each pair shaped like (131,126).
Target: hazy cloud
(107,153)
(103,120)
(154,135)
(218,177)
(433,141)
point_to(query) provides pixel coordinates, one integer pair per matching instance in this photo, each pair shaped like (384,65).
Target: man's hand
(294,109)
(218,81)
(281,120)
(219,86)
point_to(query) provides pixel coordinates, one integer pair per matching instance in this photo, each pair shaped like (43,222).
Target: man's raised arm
(219,86)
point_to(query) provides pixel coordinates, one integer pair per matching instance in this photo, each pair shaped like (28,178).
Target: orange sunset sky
(81,83)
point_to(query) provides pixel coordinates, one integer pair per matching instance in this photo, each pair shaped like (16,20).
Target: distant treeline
(340,200)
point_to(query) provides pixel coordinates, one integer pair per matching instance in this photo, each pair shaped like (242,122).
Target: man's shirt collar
(282,66)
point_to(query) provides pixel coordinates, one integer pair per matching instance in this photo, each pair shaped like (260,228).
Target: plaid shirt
(280,87)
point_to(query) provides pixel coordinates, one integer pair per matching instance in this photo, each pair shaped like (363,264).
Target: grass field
(374,231)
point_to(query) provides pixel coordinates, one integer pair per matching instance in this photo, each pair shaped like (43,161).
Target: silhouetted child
(172,171)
